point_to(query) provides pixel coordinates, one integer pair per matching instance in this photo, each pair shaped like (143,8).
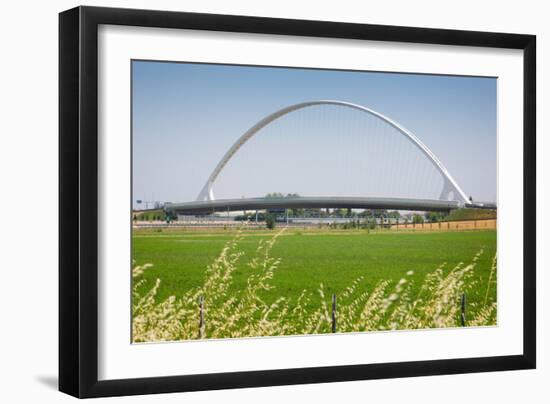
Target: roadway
(232,205)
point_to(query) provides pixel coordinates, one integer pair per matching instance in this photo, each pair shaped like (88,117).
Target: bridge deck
(222,205)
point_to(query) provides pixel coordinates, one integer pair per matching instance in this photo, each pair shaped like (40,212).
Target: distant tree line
(381,215)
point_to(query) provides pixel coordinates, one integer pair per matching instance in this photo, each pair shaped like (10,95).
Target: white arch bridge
(451,195)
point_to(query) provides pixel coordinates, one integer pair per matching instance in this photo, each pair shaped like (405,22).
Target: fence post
(201,316)
(463,310)
(334,313)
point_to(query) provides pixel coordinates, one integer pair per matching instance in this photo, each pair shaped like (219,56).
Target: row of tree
(350,213)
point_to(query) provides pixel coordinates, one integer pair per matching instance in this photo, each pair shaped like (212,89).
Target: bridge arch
(449,184)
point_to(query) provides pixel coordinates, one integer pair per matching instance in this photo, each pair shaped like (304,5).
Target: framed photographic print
(252,201)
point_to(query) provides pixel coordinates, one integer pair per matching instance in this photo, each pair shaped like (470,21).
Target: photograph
(245,202)
(285,201)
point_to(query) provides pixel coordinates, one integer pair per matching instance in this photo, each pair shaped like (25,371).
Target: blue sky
(185,117)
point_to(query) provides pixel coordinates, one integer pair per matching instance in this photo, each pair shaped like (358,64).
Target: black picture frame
(78,201)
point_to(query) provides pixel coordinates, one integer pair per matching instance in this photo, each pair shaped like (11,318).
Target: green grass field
(334,258)
(471,214)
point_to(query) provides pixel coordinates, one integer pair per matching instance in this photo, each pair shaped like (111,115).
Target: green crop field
(310,258)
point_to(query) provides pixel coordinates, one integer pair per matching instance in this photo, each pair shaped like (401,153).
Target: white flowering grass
(243,313)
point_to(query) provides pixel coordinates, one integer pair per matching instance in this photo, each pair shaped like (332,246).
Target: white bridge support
(449,185)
